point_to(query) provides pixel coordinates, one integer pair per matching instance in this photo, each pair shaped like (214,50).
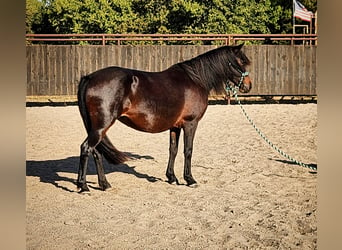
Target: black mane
(211,70)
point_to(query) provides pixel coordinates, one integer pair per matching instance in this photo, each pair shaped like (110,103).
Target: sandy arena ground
(249,197)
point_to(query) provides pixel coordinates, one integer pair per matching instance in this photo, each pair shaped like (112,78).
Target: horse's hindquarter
(162,100)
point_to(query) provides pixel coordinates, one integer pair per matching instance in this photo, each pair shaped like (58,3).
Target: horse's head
(237,66)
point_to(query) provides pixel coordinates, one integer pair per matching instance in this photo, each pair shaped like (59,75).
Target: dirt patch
(248,195)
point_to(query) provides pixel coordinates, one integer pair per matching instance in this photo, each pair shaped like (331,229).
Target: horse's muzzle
(246,85)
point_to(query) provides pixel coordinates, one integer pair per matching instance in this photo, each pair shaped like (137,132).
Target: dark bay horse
(174,99)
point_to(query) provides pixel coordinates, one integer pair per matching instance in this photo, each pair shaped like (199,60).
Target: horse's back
(147,101)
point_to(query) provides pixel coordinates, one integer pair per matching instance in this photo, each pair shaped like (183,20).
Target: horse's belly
(145,122)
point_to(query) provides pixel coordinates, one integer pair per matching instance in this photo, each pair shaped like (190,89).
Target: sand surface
(248,197)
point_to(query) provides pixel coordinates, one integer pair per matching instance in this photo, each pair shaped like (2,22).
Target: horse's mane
(211,70)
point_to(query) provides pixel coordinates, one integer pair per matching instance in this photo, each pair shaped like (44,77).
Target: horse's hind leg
(87,147)
(103,183)
(82,170)
(174,139)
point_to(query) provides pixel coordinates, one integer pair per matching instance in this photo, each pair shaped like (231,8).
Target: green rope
(311,166)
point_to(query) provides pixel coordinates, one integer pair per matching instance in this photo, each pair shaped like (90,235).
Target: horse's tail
(82,88)
(105,147)
(111,154)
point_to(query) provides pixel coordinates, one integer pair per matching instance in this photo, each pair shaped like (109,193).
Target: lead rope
(310,166)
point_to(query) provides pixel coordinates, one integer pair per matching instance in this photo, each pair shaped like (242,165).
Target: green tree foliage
(161,16)
(34,14)
(88,16)
(202,16)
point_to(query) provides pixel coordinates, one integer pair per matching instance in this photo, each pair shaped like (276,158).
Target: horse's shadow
(48,171)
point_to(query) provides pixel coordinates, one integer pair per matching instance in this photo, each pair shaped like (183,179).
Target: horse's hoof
(105,186)
(82,188)
(84,192)
(173,181)
(190,181)
(193,185)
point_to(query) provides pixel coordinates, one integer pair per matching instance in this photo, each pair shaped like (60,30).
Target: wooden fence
(170,39)
(55,70)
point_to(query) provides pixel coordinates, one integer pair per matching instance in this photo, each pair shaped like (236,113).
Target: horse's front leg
(189,134)
(173,149)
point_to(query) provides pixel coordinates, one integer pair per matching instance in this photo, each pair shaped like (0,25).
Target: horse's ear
(236,49)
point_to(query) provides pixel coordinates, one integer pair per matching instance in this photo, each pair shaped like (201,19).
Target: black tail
(111,154)
(105,147)
(82,87)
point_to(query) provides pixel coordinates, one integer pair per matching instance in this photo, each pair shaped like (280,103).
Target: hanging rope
(310,166)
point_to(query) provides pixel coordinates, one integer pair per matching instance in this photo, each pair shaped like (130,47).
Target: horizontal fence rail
(55,70)
(221,39)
